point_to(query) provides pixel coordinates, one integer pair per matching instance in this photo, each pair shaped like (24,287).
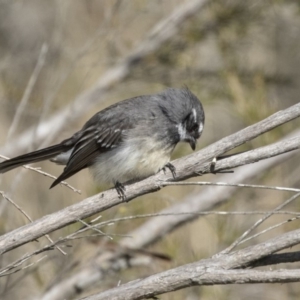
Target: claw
(120,188)
(171,168)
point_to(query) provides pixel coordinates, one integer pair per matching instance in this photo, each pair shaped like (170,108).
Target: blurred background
(241,58)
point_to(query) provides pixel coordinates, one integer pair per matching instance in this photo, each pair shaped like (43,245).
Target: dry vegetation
(63,60)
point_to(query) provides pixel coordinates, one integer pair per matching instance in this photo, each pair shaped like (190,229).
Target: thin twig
(23,268)
(23,212)
(255,186)
(200,213)
(93,227)
(256,224)
(27,216)
(38,170)
(269,229)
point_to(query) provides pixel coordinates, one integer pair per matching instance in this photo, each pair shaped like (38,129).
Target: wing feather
(91,142)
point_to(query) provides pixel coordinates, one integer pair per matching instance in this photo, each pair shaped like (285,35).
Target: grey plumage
(129,140)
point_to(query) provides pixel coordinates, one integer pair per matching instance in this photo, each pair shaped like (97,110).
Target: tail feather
(32,157)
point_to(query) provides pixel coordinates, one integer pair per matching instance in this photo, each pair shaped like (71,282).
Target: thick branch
(192,275)
(220,269)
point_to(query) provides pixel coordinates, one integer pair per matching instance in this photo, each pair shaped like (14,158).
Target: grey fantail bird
(129,140)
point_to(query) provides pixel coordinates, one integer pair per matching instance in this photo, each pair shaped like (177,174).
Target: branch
(221,269)
(192,165)
(192,276)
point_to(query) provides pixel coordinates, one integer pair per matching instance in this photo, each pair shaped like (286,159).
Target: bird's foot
(120,188)
(171,168)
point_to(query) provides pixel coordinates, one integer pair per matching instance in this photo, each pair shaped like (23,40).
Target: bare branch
(241,238)
(38,170)
(23,268)
(27,217)
(221,269)
(269,228)
(192,275)
(243,185)
(23,212)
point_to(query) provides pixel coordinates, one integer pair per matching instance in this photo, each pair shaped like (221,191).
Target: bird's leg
(171,168)
(120,188)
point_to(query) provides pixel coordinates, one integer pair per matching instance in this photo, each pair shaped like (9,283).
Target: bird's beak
(192,143)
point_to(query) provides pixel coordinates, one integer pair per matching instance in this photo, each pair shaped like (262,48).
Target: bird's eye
(195,127)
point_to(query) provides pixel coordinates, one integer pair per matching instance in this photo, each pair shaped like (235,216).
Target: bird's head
(184,110)
(191,127)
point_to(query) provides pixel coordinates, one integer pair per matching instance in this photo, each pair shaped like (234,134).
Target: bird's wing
(97,136)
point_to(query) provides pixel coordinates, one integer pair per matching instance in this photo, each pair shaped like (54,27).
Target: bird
(127,141)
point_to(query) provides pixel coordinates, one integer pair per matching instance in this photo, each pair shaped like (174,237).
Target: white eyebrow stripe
(194,114)
(200,127)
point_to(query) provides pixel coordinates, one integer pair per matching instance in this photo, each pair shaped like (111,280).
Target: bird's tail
(31,157)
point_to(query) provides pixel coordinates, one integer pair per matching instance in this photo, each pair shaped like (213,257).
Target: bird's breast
(134,159)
